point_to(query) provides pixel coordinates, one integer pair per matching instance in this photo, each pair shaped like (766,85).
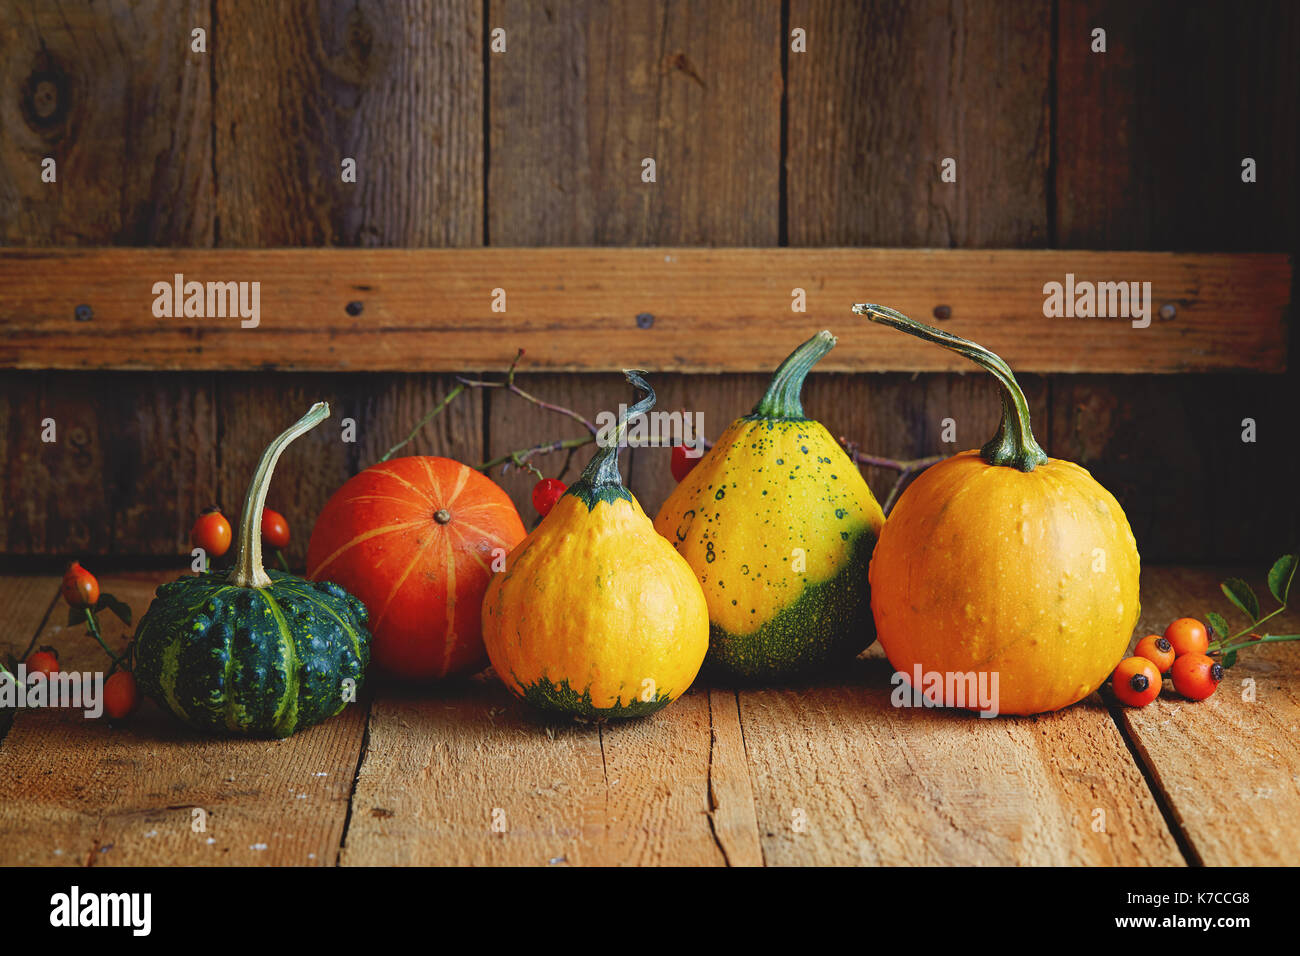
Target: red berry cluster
(1180,652)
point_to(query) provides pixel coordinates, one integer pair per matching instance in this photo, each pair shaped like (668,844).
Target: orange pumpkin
(415,539)
(1003,563)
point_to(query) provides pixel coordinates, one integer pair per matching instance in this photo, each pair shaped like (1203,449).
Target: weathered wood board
(825,773)
(1229,766)
(87,791)
(578,309)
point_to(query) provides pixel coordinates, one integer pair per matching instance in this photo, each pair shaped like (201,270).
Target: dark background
(1137,148)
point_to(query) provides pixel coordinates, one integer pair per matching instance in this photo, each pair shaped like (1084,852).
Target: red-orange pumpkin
(414,539)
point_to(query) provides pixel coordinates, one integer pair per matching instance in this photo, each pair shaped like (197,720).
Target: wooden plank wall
(1139,147)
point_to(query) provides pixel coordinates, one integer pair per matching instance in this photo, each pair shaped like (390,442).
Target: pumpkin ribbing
(253,652)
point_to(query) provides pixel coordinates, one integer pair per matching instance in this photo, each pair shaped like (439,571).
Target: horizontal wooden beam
(690,310)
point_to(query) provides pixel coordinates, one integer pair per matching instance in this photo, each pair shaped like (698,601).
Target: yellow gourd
(1003,563)
(595,614)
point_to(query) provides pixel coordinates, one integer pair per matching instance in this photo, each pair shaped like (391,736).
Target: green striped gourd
(254,652)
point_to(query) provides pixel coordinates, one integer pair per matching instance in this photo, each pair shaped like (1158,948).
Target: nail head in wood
(354,308)
(1168,311)
(943,312)
(83,313)
(644,320)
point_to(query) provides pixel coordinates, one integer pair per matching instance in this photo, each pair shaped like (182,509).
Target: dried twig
(522,457)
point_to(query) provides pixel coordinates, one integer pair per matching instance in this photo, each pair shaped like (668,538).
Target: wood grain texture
(25,604)
(560,302)
(1126,122)
(80,791)
(114,94)
(398,89)
(1173,454)
(588,90)
(731,793)
(841,777)
(56,498)
(886,91)
(133,462)
(499,786)
(583,94)
(1138,134)
(161,459)
(1227,766)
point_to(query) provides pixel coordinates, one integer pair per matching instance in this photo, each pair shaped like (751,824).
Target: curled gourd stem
(600,480)
(782,398)
(1013,445)
(248,571)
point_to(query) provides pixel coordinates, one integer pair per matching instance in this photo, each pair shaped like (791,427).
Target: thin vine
(522,458)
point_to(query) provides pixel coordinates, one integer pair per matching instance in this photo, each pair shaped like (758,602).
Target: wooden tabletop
(828,773)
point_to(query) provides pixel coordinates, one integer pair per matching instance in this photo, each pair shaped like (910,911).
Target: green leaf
(1229,659)
(1219,625)
(122,610)
(1279,577)
(1240,594)
(75,616)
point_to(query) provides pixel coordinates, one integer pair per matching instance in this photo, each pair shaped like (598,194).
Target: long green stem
(783,400)
(1013,445)
(1248,628)
(248,571)
(1266,639)
(600,480)
(93,626)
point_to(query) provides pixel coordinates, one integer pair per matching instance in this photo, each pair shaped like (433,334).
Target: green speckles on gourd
(561,698)
(261,662)
(829,622)
(784,505)
(254,653)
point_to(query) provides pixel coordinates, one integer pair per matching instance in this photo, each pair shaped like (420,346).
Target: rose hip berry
(1136,681)
(546,493)
(43,661)
(1157,650)
(211,533)
(1187,636)
(1196,676)
(120,695)
(80,587)
(682,462)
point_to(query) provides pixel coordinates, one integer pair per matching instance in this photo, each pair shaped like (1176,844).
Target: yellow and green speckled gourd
(779,525)
(595,614)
